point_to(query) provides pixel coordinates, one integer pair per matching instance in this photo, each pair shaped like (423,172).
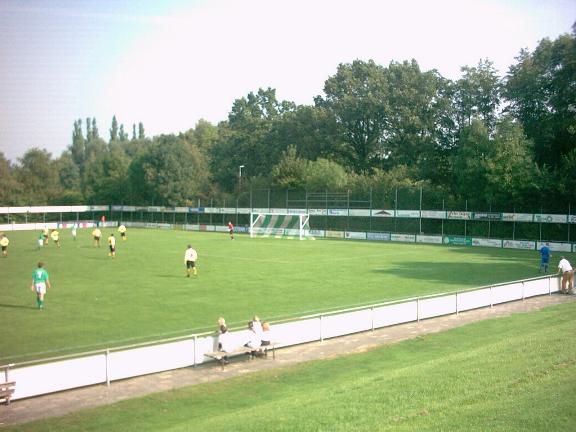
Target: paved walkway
(58,404)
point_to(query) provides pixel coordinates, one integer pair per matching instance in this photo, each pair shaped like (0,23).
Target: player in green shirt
(40,283)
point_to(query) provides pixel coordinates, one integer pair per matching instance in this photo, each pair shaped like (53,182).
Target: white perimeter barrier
(63,373)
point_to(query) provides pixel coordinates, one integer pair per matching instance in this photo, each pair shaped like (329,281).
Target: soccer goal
(279,225)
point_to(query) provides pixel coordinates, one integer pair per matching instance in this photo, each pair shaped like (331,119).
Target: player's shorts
(112,248)
(40,287)
(4,248)
(545,260)
(190,264)
(96,238)
(123,234)
(40,242)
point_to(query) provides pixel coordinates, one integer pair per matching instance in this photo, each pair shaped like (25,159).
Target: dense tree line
(508,141)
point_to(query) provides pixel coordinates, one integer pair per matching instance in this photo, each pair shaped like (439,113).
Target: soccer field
(98,302)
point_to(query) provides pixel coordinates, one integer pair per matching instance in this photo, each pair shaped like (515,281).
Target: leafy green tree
(95,134)
(313,131)
(78,148)
(541,91)
(323,174)
(512,174)
(122,135)
(38,177)
(246,137)
(471,162)
(141,134)
(478,95)
(170,172)
(357,97)
(106,178)
(419,121)
(114,129)
(11,189)
(290,171)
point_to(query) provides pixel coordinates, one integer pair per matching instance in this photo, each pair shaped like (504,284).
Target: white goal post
(280,225)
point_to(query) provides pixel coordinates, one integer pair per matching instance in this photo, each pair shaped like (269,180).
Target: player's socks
(195,272)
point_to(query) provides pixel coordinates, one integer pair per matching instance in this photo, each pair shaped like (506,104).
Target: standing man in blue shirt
(545,255)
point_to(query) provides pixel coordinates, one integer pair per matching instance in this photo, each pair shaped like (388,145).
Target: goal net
(279,225)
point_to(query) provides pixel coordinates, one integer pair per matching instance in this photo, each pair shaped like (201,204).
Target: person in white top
(567,271)
(190,258)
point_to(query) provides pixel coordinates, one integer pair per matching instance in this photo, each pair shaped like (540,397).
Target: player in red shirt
(231,230)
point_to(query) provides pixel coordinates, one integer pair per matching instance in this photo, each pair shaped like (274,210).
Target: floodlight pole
(240,178)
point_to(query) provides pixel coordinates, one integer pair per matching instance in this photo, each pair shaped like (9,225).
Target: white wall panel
(157,358)
(395,314)
(58,376)
(474,299)
(346,323)
(506,293)
(437,306)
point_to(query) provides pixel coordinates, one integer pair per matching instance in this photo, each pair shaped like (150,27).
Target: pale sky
(171,63)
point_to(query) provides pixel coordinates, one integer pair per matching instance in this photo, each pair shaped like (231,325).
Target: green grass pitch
(98,302)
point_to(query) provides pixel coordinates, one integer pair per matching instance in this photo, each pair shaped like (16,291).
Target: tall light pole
(240,178)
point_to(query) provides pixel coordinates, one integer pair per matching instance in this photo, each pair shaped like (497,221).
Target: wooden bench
(219,355)
(6,391)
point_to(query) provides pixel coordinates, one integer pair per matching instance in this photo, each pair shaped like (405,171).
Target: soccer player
(231,230)
(45,233)
(122,231)
(545,255)
(40,284)
(567,271)
(40,240)
(55,235)
(74,231)
(190,258)
(96,233)
(4,242)
(112,246)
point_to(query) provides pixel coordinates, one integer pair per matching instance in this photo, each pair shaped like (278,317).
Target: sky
(171,63)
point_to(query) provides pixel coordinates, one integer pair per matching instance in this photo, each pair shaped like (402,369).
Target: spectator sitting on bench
(265,337)
(254,340)
(224,342)
(257,325)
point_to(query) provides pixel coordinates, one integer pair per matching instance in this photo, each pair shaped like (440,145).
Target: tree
(11,190)
(171,172)
(106,178)
(541,92)
(357,98)
(141,134)
(77,148)
(246,137)
(512,175)
(290,171)
(122,135)
(114,129)
(471,162)
(477,95)
(324,175)
(38,177)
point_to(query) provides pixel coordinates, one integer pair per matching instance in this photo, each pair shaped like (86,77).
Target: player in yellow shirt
(122,231)
(55,235)
(45,233)
(4,242)
(112,245)
(96,233)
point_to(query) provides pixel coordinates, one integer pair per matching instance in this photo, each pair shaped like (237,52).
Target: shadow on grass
(170,276)
(462,274)
(12,306)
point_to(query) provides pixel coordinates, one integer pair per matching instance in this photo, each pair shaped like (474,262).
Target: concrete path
(58,404)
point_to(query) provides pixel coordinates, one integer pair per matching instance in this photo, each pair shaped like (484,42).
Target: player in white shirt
(190,258)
